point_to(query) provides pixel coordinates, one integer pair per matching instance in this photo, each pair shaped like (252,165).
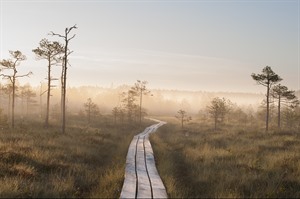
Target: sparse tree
(27,93)
(129,104)
(268,78)
(11,65)
(115,113)
(91,109)
(218,109)
(64,71)
(140,89)
(7,90)
(50,51)
(291,118)
(285,97)
(183,117)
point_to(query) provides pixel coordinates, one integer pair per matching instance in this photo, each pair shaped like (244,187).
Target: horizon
(195,45)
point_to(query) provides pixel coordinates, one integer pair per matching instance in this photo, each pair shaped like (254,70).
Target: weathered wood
(141,177)
(129,186)
(158,188)
(144,187)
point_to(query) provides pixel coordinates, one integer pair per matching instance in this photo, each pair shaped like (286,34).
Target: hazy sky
(193,45)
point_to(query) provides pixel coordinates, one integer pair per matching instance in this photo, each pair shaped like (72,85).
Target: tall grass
(236,163)
(83,162)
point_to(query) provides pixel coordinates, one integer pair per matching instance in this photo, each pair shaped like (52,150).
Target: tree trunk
(27,106)
(279,102)
(89,114)
(182,122)
(216,120)
(268,107)
(13,101)
(141,107)
(48,94)
(64,86)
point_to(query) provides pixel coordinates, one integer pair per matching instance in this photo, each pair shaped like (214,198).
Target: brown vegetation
(83,162)
(233,162)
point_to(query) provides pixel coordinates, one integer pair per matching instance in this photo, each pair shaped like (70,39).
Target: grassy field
(83,162)
(198,162)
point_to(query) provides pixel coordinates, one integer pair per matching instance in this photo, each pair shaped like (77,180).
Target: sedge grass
(83,162)
(230,163)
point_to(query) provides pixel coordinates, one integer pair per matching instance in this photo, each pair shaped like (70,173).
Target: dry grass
(199,162)
(89,162)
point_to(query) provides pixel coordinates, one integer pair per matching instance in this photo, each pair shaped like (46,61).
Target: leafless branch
(26,75)
(55,34)
(73,27)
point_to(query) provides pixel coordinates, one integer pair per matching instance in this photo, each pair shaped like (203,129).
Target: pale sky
(186,45)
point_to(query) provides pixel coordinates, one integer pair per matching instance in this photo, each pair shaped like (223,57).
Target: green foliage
(267,78)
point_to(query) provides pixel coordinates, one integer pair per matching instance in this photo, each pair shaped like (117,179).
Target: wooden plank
(141,177)
(129,186)
(158,187)
(144,188)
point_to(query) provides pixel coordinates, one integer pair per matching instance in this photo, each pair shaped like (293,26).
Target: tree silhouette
(11,65)
(284,96)
(91,109)
(182,116)
(64,71)
(140,89)
(218,110)
(268,78)
(27,93)
(51,51)
(129,104)
(115,113)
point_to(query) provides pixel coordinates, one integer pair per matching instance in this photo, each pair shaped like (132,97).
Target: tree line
(276,95)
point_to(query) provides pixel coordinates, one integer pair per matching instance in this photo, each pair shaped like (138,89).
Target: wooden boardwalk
(141,177)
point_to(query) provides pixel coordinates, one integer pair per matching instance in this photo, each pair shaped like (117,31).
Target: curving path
(141,177)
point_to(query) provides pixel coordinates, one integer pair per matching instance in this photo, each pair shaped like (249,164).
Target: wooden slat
(129,186)
(158,187)
(141,177)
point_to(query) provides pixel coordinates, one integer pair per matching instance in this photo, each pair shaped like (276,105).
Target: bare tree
(183,117)
(285,97)
(50,51)
(64,71)
(218,110)
(11,65)
(268,78)
(140,89)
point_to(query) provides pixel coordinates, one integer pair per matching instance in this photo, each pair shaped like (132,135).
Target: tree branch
(55,34)
(26,75)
